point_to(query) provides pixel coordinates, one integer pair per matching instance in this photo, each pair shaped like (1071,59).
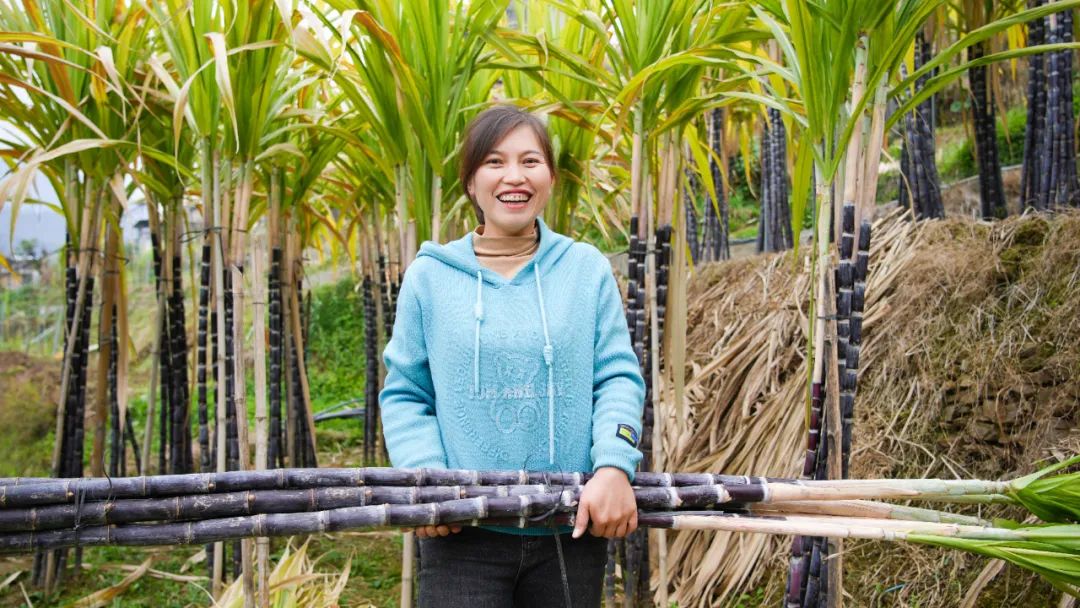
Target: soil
(29,391)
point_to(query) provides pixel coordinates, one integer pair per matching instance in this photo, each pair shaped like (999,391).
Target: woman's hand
(608,503)
(434,531)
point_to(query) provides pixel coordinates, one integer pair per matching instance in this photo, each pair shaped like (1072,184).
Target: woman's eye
(492,161)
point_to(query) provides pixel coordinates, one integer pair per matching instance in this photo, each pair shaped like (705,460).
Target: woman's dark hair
(488,129)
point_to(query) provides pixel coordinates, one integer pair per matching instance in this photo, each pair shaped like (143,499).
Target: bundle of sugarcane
(715,243)
(920,187)
(1050,176)
(774,223)
(41,514)
(1036,109)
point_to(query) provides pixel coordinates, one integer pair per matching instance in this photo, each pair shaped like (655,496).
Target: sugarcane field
(560,303)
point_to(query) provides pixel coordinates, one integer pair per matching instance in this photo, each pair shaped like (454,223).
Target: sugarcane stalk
(990,186)
(239,232)
(291,435)
(275,449)
(926,114)
(165,420)
(764,235)
(229,234)
(101,399)
(231,421)
(641,567)
(169,394)
(201,355)
(371,371)
(211,168)
(116,443)
(66,440)
(130,433)
(1036,111)
(308,421)
(276,453)
(262,427)
(180,432)
(690,213)
(1070,181)
(1048,172)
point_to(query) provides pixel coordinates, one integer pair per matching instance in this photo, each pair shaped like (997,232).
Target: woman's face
(512,184)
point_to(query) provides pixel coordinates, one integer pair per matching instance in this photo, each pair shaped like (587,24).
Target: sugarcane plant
(841,74)
(715,234)
(774,224)
(919,185)
(1049,177)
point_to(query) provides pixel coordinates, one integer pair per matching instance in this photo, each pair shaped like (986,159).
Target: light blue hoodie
(535,372)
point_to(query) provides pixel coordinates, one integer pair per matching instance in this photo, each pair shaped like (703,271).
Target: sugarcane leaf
(939,81)
(1060,567)
(1052,498)
(221,75)
(800,186)
(701,164)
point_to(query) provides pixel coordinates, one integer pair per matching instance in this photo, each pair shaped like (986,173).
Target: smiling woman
(508,169)
(510,351)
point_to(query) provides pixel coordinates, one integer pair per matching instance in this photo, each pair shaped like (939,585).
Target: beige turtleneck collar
(505,255)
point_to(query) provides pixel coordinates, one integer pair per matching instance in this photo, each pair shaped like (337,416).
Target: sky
(45,224)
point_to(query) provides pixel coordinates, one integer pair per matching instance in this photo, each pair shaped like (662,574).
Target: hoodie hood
(459,254)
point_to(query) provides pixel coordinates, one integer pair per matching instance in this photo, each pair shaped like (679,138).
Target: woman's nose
(513,174)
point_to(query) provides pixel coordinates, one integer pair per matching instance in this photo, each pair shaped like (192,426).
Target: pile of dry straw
(970,369)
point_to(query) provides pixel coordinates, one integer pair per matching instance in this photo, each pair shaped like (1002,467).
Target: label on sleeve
(627,433)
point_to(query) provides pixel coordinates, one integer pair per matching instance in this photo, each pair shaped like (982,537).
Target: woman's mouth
(514,200)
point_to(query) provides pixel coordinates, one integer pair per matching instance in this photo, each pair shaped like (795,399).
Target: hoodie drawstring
(549,353)
(549,356)
(478,312)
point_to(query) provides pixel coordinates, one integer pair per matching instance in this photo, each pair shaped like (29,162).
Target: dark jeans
(478,568)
